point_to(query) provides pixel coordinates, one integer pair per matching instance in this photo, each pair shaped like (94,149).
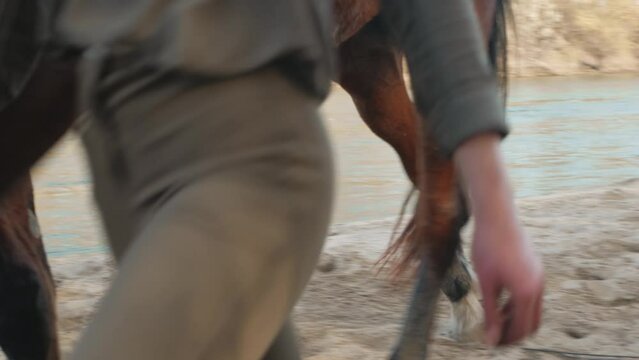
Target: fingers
(523,317)
(519,315)
(539,304)
(493,319)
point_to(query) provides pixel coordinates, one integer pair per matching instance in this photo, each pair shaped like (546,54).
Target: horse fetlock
(467,318)
(457,286)
(459,279)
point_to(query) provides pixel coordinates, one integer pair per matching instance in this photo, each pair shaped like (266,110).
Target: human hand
(502,255)
(505,261)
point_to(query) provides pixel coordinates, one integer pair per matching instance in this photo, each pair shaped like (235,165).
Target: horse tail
(498,43)
(406,250)
(402,252)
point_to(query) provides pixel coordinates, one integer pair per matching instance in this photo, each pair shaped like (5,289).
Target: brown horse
(31,125)
(27,303)
(371,72)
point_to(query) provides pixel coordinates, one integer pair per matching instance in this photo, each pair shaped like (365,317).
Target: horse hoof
(467,319)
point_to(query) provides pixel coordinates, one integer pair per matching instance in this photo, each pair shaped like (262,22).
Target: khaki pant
(216,199)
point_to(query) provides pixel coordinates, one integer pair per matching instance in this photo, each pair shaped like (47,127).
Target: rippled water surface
(568,133)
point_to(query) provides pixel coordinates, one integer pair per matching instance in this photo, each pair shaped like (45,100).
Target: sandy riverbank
(589,241)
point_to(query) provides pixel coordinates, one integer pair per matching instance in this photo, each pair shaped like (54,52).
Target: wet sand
(590,246)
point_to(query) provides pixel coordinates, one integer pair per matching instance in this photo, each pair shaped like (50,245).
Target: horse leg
(466,319)
(38,118)
(438,226)
(27,301)
(466,307)
(371,72)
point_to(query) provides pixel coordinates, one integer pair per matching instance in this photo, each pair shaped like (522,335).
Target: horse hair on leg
(371,72)
(467,312)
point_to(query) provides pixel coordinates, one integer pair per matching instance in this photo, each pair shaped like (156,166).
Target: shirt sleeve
(454,84)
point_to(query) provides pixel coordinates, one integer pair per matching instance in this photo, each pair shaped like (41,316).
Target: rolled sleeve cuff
(473,111)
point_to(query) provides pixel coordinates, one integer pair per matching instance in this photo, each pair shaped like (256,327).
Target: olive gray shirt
(215,38)
(453,81)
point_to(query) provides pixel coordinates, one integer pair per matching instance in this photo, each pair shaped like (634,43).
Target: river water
(568,133)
